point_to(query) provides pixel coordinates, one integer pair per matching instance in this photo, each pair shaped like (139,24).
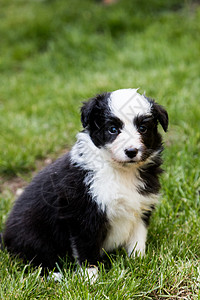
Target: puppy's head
(124,124)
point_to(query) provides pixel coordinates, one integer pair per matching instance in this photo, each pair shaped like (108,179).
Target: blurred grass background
(56,54)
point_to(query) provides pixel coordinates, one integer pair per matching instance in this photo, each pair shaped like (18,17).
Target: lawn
(56,54)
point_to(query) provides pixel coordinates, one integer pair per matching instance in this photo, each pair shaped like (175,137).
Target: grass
(53,56)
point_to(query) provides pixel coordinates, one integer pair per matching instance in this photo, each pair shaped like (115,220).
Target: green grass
(54,55)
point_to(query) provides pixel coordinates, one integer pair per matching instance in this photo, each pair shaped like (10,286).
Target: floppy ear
(92,109)
(161,115)
(86,111)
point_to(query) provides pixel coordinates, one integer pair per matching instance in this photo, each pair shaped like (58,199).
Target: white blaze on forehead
(128,103)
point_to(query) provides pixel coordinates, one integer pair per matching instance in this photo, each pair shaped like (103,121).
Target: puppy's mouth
(126,162)
(131,161)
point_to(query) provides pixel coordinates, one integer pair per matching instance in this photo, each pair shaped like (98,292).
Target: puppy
(101,194)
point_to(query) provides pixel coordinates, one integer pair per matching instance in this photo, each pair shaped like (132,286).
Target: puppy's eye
(113,130)
(142,129)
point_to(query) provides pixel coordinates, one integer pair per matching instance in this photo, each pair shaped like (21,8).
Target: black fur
(152,141)
(159,113)
(54,210)
(150,177)
(94,108)
(97,117)
(147,214)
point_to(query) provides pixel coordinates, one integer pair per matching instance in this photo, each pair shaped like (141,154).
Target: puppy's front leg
(137,241)
(88,273)
(87,255)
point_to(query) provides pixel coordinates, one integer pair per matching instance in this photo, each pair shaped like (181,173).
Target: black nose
(131,152)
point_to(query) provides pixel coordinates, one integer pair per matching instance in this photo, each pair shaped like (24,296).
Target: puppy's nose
(131,152)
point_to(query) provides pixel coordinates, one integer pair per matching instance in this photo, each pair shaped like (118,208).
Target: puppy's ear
(86,111)
(92,109)
(161,115)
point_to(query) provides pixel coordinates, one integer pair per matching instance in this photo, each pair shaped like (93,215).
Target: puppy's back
(32,229)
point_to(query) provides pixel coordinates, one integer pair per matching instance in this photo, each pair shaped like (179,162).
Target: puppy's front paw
(90,274)
(136,250)
(56,276)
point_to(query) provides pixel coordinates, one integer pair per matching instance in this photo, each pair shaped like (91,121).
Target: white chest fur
(115,191)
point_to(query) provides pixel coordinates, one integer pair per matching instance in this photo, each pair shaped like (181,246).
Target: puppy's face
(124,123)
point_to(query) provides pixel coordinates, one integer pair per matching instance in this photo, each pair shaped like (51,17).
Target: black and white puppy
(100,195)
